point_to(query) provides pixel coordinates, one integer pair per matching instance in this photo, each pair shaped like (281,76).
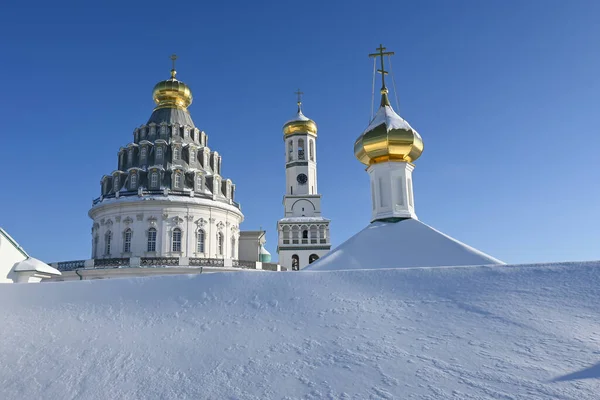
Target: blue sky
(504,93)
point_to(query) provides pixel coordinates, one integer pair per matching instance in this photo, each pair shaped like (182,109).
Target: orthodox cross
(381,53)
(299,94)
(173,72)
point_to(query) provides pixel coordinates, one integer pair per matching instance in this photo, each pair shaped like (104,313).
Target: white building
(16,266)
(303,232)
(395,238)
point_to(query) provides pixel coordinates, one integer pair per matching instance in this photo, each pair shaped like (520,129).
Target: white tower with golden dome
(388,147)
(303,232)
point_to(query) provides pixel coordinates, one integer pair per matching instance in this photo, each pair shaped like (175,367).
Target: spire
(173,71)
(384,91)
(299,94)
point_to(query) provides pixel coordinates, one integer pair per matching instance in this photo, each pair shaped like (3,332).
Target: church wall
(10,254)
(165,217)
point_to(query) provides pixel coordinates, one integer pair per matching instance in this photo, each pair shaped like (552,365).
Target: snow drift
(520,332)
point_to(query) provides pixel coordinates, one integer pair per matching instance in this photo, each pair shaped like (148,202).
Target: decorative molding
(177,220)
(220,225)
(140,217)
(109,222)
(211,220)
(165,217)
(128,220)
(189,217)
(201,222)
(118,218)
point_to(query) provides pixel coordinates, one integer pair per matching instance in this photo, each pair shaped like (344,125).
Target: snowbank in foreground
(525,332)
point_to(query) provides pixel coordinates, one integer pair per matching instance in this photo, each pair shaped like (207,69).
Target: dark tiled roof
(170,116)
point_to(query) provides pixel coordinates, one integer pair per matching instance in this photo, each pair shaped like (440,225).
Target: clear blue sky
(505,94)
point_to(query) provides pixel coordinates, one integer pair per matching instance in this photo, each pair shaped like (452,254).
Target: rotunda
(167,197)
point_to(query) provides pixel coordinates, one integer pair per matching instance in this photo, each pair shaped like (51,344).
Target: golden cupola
(172,93)
(300,124)
(388,137)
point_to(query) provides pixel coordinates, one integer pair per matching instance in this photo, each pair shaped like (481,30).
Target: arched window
(143,154)
(176,246)
(107,240)
(152,239)
(305,234)
(199,182)
(295,234)
(200,244)
(312,258)
(178,179)
(232,247)
(154,180)
(159,154)
(313,234)
(311,149)
(133,181)
(300,149)
(192,156)
(220,243)
(127,241)
(130,157)
(291,150)
(116,183)
(295,262)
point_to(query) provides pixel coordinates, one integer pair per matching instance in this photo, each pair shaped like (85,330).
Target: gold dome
(172,93)
(300,124)
(388,138)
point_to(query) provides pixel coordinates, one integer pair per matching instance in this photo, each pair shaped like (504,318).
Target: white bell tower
(303,232)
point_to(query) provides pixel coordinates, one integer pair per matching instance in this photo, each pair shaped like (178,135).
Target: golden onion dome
(172,93)
(388,138)
(300,124)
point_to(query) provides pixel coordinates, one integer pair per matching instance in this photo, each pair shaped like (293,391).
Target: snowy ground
(522,332)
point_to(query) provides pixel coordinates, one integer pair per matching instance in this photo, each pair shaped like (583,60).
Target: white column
(392,192)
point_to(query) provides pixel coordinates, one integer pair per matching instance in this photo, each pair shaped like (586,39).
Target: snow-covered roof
(518,332)
(303,219)
(34,265)
(403,244)
(388,116)
(298,117)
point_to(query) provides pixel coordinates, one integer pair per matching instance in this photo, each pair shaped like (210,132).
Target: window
(176,240)
(143,154)
(178,179)
(175,130)
(107,240)
(305,234)
(312,258)
(291,150)
(163,130)
(199,182)
(301,149)
(192,156)
(200,244)
(154,180)
(295,263)
(220,243)
(130,157)
(159,154)
(175,153)
(116,183)
(152,239)
(311,150)
(133,181)
(127,241)
(232,247)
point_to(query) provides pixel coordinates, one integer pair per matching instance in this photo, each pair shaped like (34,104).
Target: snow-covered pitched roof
(34,265)
(403,244)
(386,115)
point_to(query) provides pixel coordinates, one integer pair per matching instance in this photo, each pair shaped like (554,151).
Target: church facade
(167,196)
(303,232)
